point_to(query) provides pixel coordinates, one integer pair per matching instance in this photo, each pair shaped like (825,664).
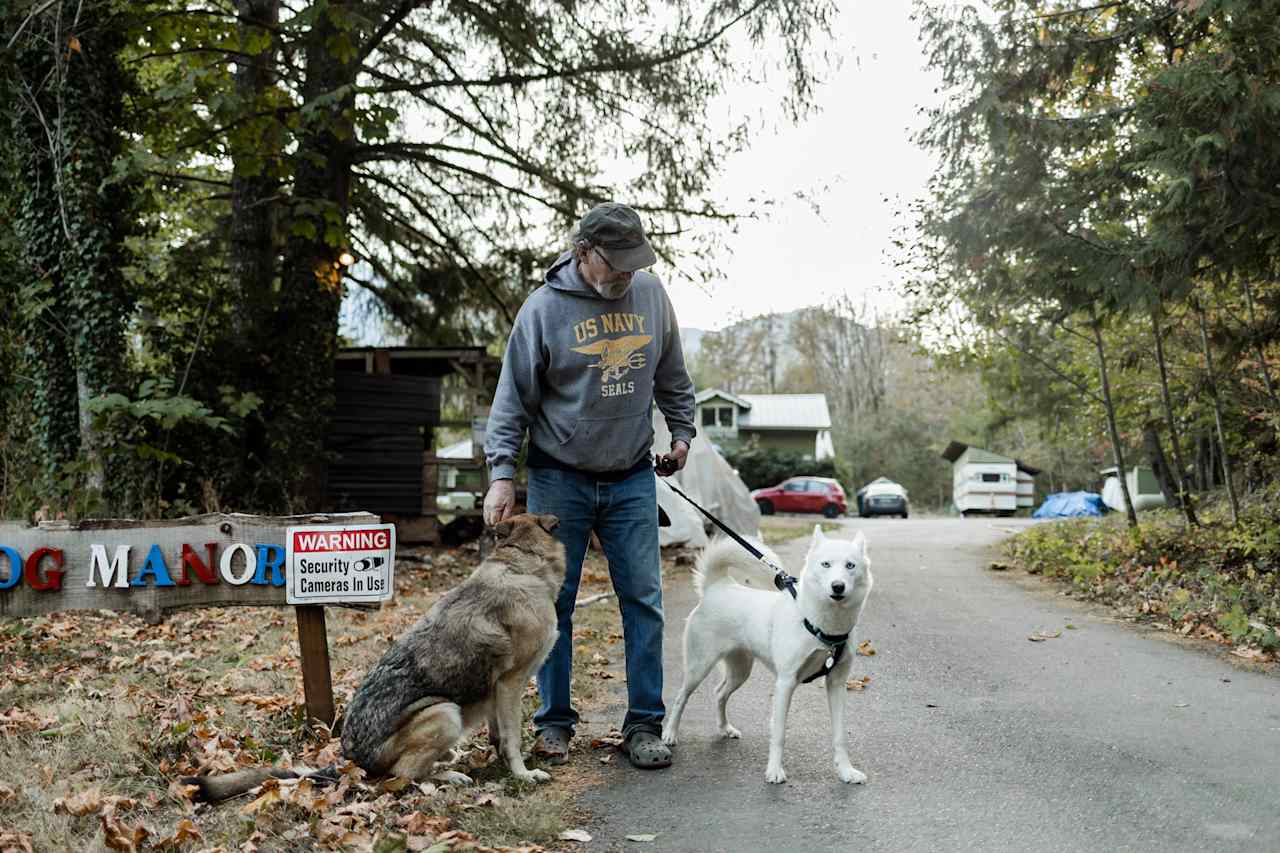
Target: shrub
(761,466)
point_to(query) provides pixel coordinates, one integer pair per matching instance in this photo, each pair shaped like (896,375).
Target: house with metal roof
(798,422)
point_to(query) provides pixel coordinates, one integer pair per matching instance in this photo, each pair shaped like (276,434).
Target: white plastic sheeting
(686,522)
(709,480)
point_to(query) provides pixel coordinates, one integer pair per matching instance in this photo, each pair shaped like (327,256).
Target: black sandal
(552,745)
(646,750)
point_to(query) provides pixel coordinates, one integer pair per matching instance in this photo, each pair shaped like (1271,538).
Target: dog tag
(830,662)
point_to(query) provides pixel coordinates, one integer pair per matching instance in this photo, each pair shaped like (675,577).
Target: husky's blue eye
(826,564)
(849,565)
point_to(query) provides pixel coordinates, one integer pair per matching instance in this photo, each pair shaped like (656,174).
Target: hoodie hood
(563,275)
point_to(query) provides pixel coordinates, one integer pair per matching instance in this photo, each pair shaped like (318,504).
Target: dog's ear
(860,542)
(818,535)
(503,529)
(548,522)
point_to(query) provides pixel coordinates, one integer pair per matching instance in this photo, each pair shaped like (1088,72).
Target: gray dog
(468,661)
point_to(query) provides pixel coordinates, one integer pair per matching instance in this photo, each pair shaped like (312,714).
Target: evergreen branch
(641,63)
(393,20)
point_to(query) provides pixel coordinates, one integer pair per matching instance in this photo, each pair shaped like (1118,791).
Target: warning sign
(336,564)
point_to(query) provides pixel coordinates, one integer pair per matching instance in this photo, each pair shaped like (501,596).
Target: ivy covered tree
(430,156)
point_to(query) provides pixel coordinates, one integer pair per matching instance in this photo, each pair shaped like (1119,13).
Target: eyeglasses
(601,256)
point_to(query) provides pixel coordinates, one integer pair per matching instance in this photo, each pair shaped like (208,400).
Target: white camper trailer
(983,482)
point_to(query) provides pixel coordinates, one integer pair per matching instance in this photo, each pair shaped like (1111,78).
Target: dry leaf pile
(101,713)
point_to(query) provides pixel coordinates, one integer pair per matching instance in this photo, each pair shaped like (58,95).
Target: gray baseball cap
(616,230)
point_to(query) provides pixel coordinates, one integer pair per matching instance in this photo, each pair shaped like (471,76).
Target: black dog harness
(835,643)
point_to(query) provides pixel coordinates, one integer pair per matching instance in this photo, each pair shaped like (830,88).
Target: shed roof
(786,411)
(956,449)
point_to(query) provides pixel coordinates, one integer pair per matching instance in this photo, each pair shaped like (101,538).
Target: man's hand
(679,453)
(499,501)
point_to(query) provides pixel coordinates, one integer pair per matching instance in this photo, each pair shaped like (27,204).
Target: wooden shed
(988,483)
(381,439)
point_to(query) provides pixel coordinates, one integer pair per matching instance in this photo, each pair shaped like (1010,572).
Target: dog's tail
(212,789)
(725,561)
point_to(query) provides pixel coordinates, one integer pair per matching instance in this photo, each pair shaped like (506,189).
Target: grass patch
(1220,581)
(775,530)
(101,713)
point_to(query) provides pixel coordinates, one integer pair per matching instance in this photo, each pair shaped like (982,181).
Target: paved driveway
(1109,737)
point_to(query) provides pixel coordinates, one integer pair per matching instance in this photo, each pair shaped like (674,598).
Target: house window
(708,417)
(991,478)
(726,416)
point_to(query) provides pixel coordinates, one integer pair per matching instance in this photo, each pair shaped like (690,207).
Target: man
(590,352)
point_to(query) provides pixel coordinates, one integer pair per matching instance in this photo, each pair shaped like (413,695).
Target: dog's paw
(730,732)
(669,737)
(851,776)
(452,777)
(775,775)
(533,776)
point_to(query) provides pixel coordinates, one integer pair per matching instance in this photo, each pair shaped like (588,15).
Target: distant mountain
(691,340)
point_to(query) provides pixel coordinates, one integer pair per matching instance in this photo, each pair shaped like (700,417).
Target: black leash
(782,580)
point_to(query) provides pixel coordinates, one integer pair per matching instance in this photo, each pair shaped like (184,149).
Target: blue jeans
(625,517)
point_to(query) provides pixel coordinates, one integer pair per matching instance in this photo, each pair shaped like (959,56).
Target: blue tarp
(1071,505)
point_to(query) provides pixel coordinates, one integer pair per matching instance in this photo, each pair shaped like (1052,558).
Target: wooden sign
(157,567)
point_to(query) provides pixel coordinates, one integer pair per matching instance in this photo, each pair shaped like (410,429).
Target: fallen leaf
(421,824)
(184,832)
(394,785)
(866,649)
(119,836)
(858,683)
(73,44)
(1041,636)
(575,835)
(7,792)
(642,836)
(12,841)
(608,740)
(482,801)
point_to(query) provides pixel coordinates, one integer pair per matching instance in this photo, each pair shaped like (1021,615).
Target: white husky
(736,625)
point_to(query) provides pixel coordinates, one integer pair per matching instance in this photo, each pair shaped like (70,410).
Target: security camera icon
(368,563)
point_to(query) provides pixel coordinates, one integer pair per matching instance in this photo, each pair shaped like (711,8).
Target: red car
(802,494)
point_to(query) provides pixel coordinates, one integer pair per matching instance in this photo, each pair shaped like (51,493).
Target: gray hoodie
(582,372)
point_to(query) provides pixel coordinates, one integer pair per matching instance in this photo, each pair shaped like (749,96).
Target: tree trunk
(1159,465)
(306,325)
(1217,414)
(73,221)
(252,249)
(252,255)
(1257,348)
(1117,451)
(1180,474)
(99,213)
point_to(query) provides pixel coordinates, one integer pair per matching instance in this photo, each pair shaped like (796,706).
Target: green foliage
(760,467)
(1219,580)
(1102,164)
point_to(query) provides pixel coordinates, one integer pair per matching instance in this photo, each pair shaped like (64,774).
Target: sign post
(333,564)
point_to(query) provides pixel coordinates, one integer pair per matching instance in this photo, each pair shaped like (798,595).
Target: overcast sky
(853,158)
(859,147)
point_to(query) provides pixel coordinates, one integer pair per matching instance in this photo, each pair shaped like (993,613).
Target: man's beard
(614,289)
